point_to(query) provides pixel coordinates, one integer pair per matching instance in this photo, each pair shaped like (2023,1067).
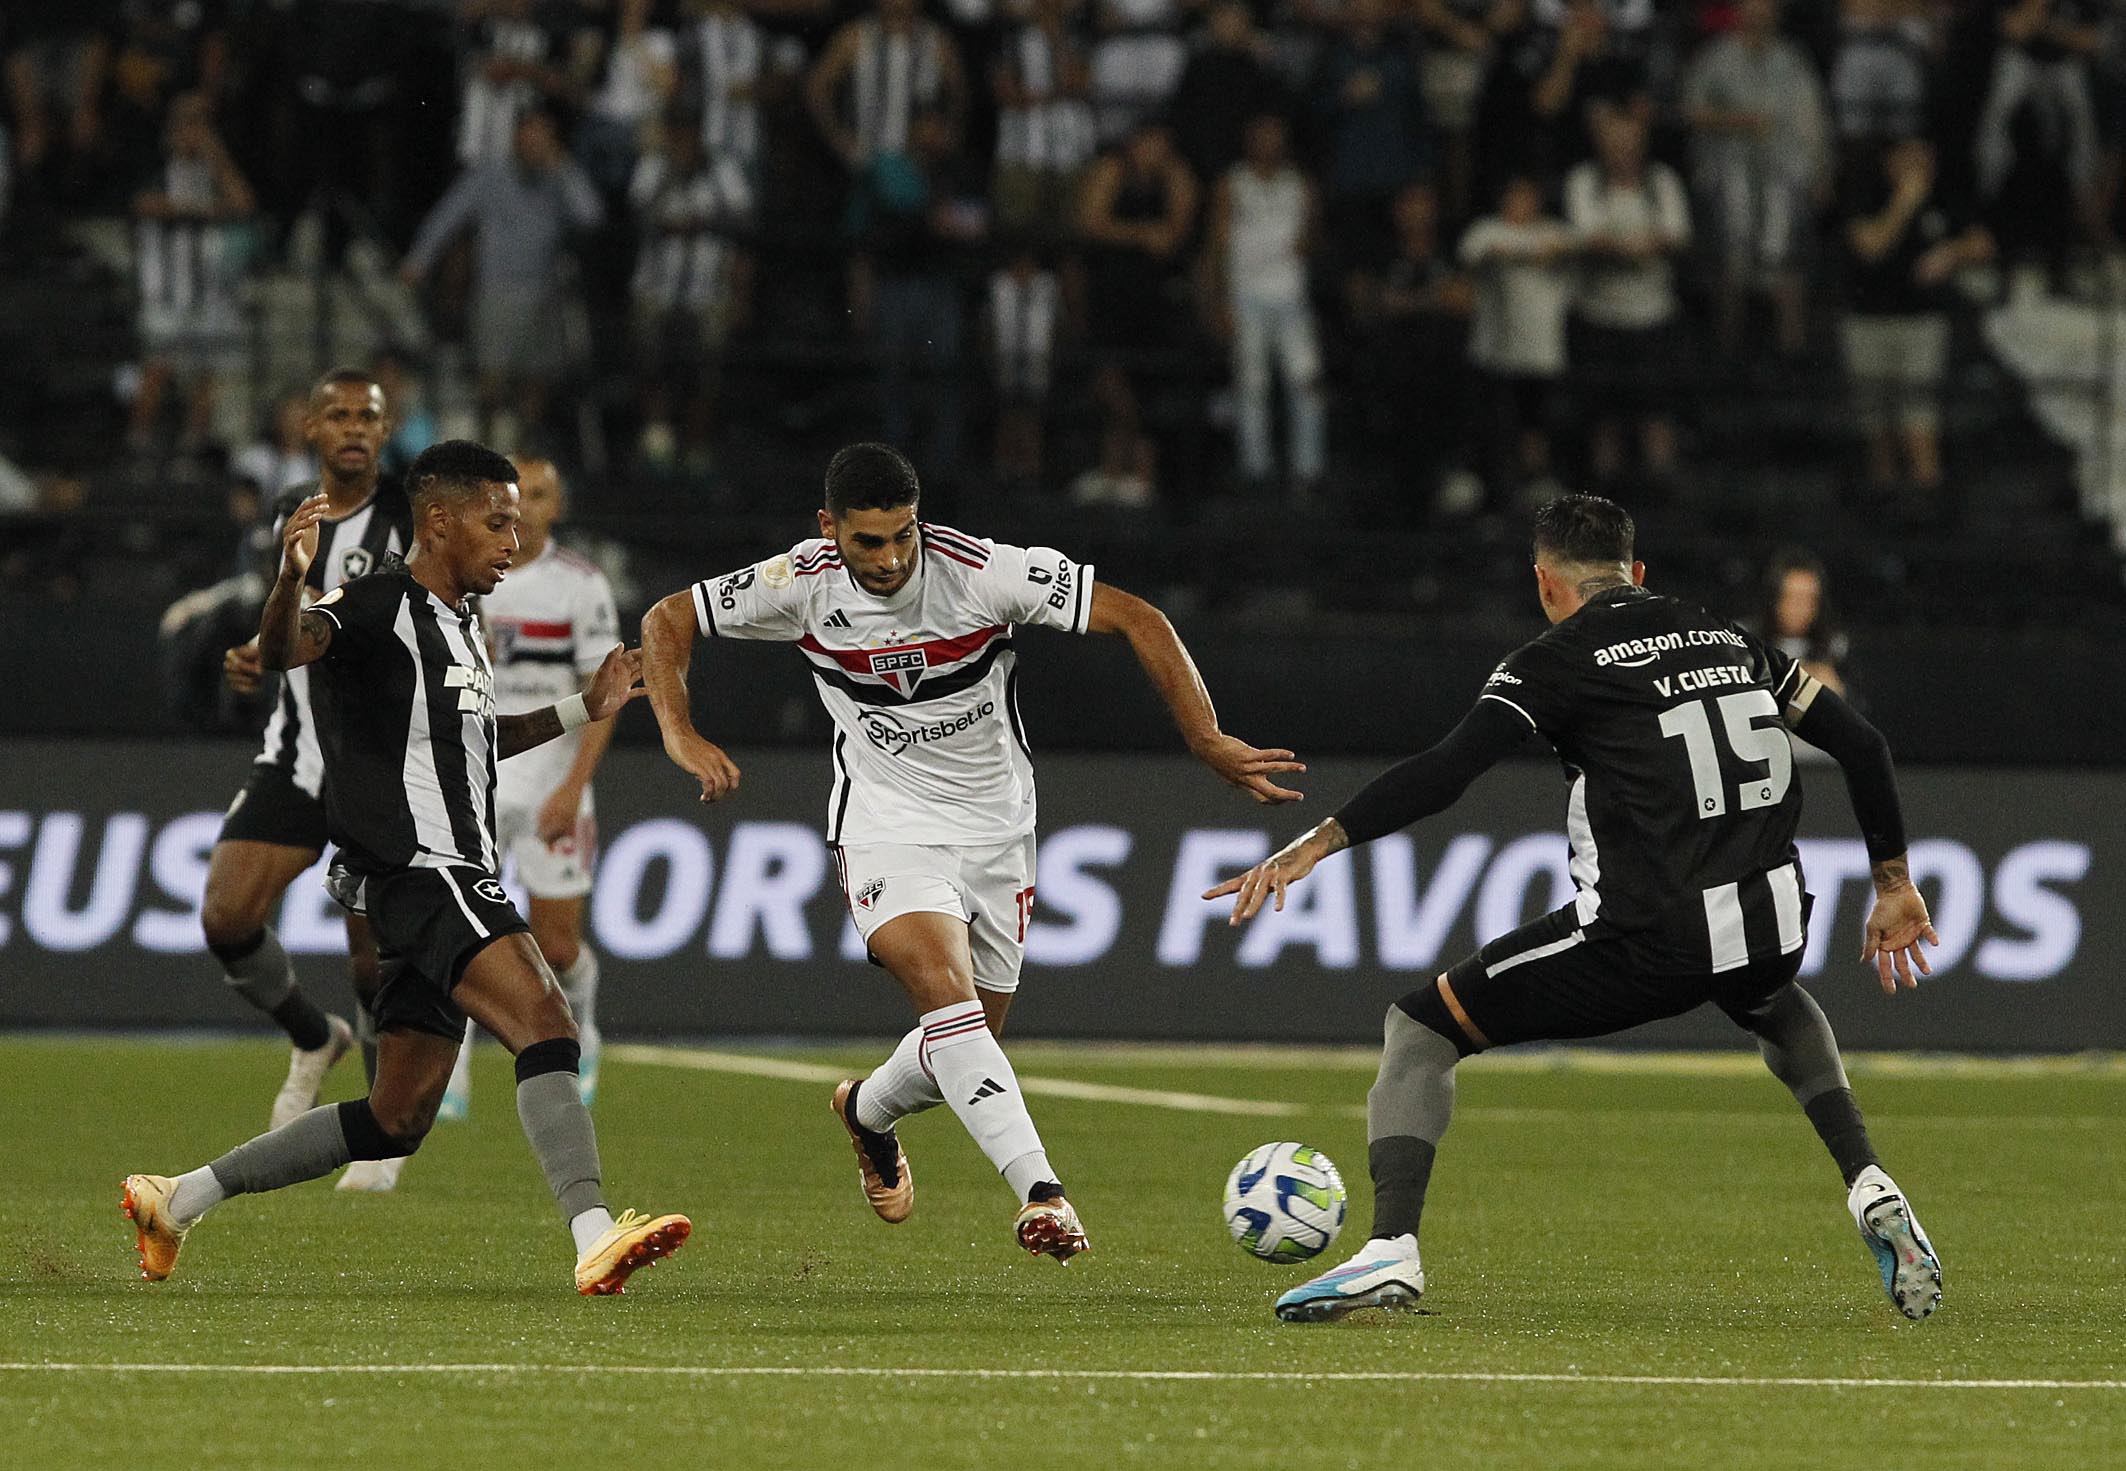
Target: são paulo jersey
(551,623)
(922,685)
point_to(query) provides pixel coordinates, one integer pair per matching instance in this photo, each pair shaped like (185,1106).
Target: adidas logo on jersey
(836,619)
(989,1089)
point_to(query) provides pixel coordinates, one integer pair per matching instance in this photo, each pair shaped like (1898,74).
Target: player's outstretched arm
(667,651)
(1173,674)
(618,680)
(289,635)
(1429,782)
(1898,920)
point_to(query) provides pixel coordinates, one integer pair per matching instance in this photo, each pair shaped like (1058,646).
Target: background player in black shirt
(276,826)
(1672,726)
(405,702)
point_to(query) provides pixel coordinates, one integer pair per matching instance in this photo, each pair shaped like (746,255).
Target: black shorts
(273,809)
(1550,981)
(429,924)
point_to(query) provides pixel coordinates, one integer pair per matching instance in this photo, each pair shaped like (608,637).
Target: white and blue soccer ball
(1285,1202)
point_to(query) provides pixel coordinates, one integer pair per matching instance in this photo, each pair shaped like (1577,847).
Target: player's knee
(393,1133)
(231,924)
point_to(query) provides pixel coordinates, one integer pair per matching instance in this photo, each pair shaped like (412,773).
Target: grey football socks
(1407,1113)
(550,1106)
(259,970)
(1795,1038)
(310,1147)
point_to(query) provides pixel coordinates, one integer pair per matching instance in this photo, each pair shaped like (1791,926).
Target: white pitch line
(753,1065)
(757,1065)
(1233,1376)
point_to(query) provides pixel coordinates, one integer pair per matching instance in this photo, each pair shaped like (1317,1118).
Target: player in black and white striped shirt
(1673,727)
(405,700)
(276,826)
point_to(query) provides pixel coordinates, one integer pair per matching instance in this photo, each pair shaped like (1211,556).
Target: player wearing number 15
(1682,807)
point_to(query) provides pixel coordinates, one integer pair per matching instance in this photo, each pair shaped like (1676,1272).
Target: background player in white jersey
(276,826)
(908,630)
(550,624)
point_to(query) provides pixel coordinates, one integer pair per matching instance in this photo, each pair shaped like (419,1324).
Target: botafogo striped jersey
(406,717)
(358,542)
(1683,803)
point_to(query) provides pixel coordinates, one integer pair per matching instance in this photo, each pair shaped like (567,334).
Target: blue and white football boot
(1911,1273)
(1385,1274)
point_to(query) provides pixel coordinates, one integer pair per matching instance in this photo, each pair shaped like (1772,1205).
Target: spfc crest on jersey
(867,897)
(900,668)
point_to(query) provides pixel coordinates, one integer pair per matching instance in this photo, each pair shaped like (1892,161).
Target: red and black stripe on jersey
(880,676)
(957,545)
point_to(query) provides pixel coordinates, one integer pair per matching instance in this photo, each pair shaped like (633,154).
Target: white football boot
(1385,1274)
(372,1176)
(1911,1272)
(306,1074)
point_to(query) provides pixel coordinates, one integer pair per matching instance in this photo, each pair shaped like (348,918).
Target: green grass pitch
(1588,1225)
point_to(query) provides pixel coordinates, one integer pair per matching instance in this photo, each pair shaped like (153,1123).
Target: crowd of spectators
(1481,245)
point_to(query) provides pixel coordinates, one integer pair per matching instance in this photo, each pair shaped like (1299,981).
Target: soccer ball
(1285,1202)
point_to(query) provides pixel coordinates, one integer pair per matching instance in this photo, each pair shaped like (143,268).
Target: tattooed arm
(1899,920)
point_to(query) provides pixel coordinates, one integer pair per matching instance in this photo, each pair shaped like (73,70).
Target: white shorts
(991,888)
(557,870)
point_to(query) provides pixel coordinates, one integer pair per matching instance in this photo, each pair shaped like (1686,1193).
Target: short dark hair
(1585,530)
(870,477)
(342,378)
(453,468)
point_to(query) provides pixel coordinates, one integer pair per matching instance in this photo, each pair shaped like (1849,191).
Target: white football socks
(979,1085)
(897,1088)
(588,1226)
(579,983)
(197,1193)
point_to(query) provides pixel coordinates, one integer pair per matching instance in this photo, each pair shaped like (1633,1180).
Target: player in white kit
(551,624)
(908,629)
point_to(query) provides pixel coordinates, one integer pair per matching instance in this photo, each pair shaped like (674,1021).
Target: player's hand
(618,680)
(299,537)
(706,763)
(241,670)
(1896,925)
(1244,766)
(1273,875)
(557,814)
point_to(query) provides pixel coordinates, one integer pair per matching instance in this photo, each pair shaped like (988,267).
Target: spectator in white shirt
(638,72)
(1521,258)
(1762,155)
(1025,320)
(1631,220)
(1264,224)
